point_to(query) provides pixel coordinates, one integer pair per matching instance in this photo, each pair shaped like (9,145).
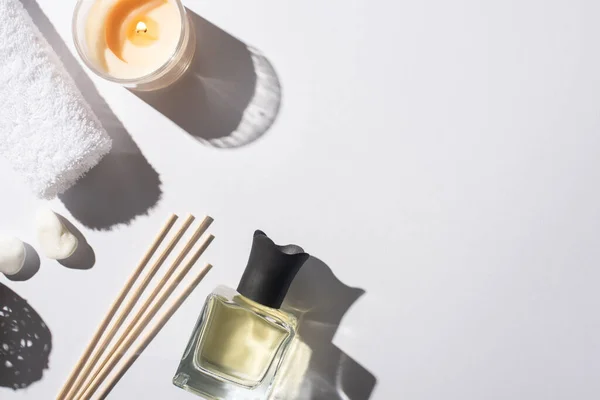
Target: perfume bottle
(242,337)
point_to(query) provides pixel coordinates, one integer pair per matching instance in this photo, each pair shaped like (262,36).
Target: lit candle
(134,40)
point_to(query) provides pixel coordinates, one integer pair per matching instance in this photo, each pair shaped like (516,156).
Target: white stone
(12,255)
(56,241)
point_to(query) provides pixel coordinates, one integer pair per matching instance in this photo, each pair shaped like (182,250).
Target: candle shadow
(25,342)
(229,97)
(123,185)
(316,368)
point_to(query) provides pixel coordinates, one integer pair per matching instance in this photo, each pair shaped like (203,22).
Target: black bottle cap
(270,270)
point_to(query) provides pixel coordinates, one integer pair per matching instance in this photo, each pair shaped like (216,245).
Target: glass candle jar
(140,44)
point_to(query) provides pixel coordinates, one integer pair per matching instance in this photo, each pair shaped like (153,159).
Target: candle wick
(141,27)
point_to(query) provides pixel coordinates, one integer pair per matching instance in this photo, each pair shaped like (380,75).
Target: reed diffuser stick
(148,337)
(137,293)
(148,302)
(115,306)
(150,314)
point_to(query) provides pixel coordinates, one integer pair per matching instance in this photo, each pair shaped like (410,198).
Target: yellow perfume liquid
(241,339)
(236,349)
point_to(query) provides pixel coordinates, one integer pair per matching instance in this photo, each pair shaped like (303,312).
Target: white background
(442,156)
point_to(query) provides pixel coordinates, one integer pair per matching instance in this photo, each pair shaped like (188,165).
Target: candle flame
(141,27)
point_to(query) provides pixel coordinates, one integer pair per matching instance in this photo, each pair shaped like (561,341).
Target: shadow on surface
(84,256)
(228,98)
(25,342)
(30,267)
(123,185)
(319,370)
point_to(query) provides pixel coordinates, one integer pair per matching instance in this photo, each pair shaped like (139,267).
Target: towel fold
(48,132)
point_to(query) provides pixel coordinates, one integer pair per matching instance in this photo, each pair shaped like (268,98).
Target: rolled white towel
(48,132)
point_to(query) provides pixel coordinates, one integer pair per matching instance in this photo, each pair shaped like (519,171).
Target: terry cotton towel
(48,132)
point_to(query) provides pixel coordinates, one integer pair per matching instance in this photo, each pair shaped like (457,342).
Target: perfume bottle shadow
(123,185)
(319,370)
(229,97)
(25,342)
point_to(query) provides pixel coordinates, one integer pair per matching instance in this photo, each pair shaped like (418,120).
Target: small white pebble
(56,241)
(12,255)
(8,364)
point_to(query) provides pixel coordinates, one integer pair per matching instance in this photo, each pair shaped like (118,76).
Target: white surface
(443,156)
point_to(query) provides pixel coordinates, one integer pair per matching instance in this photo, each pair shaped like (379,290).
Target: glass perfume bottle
(242,337)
